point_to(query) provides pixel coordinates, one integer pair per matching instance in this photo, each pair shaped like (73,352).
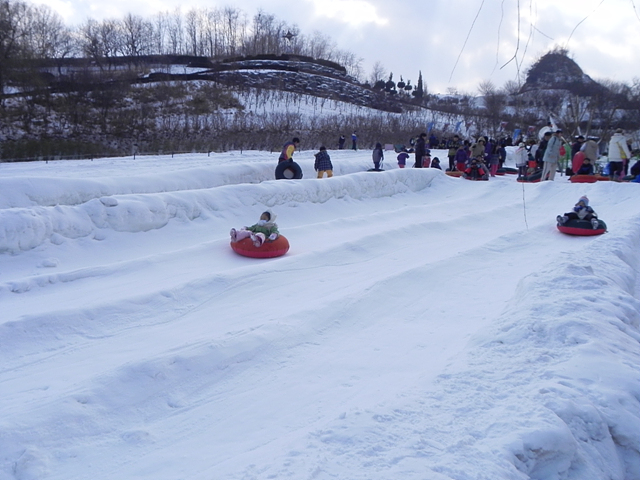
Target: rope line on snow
(524,207)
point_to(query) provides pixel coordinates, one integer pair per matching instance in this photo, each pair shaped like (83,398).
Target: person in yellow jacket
(288,149)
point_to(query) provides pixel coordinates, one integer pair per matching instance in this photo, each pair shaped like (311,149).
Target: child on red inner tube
(581,211)
(265,229)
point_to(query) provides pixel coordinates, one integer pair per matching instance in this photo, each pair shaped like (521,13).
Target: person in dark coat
(577,145)
(402,158)
(461,158)
(433,141)
(341,141)
(502,155)
(542,147)
(421,150)
(586,168)
(453,145)
(323,163)
(377,156)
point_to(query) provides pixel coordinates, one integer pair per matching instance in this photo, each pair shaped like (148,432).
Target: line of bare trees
(30,31)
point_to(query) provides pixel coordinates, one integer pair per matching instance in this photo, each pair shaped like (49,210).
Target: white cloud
(353,12)
(408,36)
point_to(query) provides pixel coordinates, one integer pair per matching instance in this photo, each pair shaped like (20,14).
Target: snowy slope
(420,327)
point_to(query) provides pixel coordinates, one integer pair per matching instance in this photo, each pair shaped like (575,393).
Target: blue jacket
(461,156)
(585,169)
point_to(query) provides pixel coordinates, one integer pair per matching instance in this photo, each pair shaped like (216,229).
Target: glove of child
(273,236)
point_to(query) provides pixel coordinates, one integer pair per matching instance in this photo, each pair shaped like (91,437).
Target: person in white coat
(551,156)
(521,157)
(618,154)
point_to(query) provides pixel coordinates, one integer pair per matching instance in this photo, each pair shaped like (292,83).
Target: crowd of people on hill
(485,156)
(535,158)
(538,158)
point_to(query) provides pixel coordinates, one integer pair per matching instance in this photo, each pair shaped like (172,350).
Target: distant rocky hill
(556,71)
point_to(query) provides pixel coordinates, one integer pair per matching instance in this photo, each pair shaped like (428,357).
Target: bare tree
(112,38)
(44,31)
(160,32)
(211,33)
(12,37)
(90,40)
(494,102)
(192,25)
(230,29)
(175,32)
(378,72)
(137,35)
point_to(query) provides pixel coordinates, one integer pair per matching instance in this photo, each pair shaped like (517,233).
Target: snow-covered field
(421,326)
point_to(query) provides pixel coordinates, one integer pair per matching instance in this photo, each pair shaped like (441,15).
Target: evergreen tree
(419,91)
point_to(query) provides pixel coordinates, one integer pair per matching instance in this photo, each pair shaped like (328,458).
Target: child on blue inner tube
(265,229)
(581,211)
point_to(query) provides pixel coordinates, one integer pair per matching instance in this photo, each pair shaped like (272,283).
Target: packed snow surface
(420,327)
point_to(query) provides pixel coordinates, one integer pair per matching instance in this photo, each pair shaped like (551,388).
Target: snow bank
(569,342)
(85,212)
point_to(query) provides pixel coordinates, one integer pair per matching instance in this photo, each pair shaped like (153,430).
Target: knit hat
(585,200)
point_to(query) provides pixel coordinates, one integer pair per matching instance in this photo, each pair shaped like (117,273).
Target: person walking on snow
(323,163)
(552,156)
(288,149)
(354,141)
(265,229)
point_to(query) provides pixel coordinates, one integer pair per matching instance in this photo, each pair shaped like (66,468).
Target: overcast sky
(455,43)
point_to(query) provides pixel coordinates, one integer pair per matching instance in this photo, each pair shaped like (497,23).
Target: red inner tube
(583,179)
(582,228)
(277,248)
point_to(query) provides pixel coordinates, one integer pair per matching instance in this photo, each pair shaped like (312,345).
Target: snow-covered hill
(420,327)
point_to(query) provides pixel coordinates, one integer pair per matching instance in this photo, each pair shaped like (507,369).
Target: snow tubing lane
(277,248)
(583,179)
(288,170)
(582,228)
